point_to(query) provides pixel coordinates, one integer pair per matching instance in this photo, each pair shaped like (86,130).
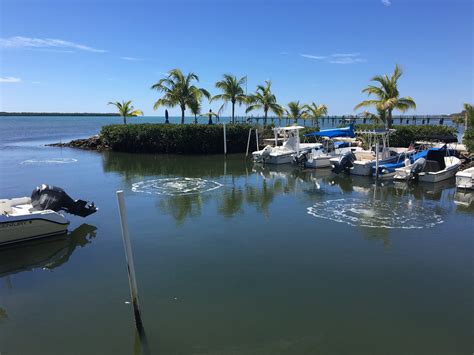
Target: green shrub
(404,135)
(178,139)
(468,138)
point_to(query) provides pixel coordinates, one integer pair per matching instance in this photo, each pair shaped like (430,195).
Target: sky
(77,55)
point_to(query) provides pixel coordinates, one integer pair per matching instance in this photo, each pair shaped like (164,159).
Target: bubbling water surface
(376,213)
(175,186)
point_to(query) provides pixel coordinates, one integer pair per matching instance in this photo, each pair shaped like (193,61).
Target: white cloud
(130,58)
(343,55)
(27,42)
(337,58)
(346,60)
(10,79)
(386,2)
(310,56)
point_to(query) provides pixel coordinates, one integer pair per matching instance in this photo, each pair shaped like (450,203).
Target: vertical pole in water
(256,137)
(225,141)
(377,159)
(248,142)
(130,265)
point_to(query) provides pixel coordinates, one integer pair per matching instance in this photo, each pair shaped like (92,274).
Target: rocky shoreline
(92,143)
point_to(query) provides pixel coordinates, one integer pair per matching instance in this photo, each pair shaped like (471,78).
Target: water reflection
(47,253)
(464,200)
(246,187)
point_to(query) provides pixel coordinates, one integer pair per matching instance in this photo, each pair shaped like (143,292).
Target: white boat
(465,179)
(320,156)
(38,216)
(436,167)
(450,168)
(282,154)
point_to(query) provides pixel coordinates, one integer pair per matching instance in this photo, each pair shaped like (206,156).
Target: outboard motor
(418,166)
(301,158)
(47,197)
(344,163)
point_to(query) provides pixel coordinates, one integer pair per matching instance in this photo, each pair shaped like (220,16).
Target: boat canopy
(336,132)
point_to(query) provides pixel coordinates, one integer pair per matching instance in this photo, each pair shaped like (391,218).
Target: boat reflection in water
(464,200)
(46,253)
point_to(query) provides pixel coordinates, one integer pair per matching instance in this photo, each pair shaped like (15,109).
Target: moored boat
(465,179)
(38,216)
(283,154)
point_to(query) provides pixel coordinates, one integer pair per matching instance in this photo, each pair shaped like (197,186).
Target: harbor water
(231,258)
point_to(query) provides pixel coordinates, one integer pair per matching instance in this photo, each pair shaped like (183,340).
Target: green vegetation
(404,135)
(125,109)
(232,91)
(387,96)
(295,111)
(178,90)
(265,100)
(468,138)
(314,112)
(180,139)
(7,114)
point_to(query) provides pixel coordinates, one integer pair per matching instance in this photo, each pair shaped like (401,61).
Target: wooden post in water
(377,159)
(225,141)
(256,137)
(248,142)
(130,265)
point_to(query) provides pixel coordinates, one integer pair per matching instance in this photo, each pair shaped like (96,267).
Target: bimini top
(288,128)
(336,132)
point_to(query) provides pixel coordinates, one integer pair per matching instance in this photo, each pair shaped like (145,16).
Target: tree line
(180,90)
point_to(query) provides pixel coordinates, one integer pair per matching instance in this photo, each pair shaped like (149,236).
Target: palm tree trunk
(233,109)
(389,119)
(195,119)
(265,118)
(124,119)
(182,114)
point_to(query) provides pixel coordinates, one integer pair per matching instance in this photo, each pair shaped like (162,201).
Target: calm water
(231,258)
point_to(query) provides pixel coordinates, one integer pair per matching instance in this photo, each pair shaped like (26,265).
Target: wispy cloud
(284,53)
(10,79)
(310,56)
(337,58)
(386,2)
(131,58)
(27,42)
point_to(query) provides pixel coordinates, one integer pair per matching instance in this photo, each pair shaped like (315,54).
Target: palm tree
(314,112)
(232,91)
(378,118)
(126,109)
(195,108)
(295,111)
(178,90)
(387,95)
(265,100)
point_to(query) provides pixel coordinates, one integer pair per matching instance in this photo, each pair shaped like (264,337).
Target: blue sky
(75,55)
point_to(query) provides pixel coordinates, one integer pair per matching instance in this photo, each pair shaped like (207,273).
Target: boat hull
(465,179)
(361,168)
(439,175)
(20,228)
(319,162)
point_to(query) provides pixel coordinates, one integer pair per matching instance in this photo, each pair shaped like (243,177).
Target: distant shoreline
(58,114)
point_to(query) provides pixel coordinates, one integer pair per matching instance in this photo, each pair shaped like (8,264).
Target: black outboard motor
(344,163)
(47,197)
(418,166)
(301,158)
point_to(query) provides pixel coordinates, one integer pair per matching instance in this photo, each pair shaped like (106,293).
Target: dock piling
(130,264)
(225,140)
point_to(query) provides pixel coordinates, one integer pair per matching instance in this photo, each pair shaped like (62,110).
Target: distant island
(57,114)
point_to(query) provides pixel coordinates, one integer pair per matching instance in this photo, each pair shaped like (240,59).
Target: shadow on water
(47,253)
